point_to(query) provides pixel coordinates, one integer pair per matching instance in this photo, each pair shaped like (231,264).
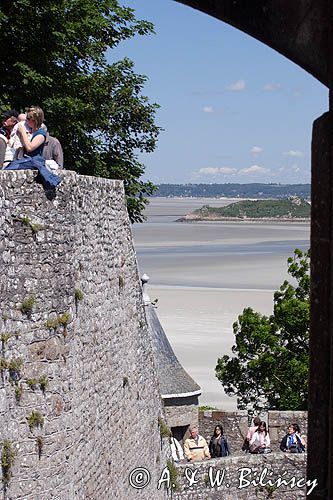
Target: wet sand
(204,275)
(198,323)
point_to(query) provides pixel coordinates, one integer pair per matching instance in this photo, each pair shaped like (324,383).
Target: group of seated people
(257,440)
(196,447)
(26,135)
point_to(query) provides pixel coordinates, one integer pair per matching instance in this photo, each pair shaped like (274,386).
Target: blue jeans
(49,179)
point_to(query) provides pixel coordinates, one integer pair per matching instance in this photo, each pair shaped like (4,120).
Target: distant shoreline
(188,219)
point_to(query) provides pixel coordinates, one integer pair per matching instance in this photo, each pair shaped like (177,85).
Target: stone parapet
(244,478)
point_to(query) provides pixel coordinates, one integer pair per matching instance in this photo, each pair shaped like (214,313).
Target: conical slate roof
(174,381)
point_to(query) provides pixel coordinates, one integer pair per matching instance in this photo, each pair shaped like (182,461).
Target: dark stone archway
(301,30)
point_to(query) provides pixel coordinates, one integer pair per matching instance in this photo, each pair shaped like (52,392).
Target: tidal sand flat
(204,274)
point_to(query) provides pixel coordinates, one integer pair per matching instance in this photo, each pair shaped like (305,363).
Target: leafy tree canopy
(53,54)
(270,366)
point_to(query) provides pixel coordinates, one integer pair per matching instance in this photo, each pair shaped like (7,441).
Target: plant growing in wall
(173,475)
(52,323)
(18,392)
(121,282)
(35,419)
(61,320)
(40,445)
(27,305)
(4,337)
(7,461)
(78,295)
(267,490)
(3,365)
(14,367)
(26,221)
(164,429)
(206,480)
(32,383)
(43,383)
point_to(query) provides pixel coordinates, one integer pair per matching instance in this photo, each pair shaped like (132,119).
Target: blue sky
(232,109)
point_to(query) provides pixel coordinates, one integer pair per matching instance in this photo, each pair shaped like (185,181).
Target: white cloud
(207,109)
(292,152)
(254,169)
(237,86)
(295,168)
(256,150)
(270,87)
(216,170)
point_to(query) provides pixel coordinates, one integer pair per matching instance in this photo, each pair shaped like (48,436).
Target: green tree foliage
(54,55)
(270,366)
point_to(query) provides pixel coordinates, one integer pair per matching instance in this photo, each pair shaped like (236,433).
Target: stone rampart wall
(244,478)
(76,356)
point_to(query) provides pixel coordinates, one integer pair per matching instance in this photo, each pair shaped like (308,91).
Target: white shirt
(176,450)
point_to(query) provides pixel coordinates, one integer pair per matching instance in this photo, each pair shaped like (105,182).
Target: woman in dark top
(34,145)
(218,445)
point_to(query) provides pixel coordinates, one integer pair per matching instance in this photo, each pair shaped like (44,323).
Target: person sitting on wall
(218,445)
(291,443)
(251,430)
(298,433)
(260,441)
(33,144)
(14,146)
(53,153)
(176,450)
(33,149)
(196,447)
(9,120)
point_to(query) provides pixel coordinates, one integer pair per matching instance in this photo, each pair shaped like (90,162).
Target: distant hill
(290,209)
(254,190)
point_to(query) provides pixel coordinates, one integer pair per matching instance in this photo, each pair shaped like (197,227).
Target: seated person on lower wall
(196,447)
(9,120)
(53,153)
(251,430)
(291,442)
(260,441)
(298,433)
(176,450)
(218,445)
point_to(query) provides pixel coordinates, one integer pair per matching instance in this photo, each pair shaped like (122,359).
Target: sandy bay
(204,274)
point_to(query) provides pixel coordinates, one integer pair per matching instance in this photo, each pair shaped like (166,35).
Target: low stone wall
(244,477)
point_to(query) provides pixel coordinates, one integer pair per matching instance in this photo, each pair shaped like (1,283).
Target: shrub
(164,429)
(7,461)
(28,304)
(35,419)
